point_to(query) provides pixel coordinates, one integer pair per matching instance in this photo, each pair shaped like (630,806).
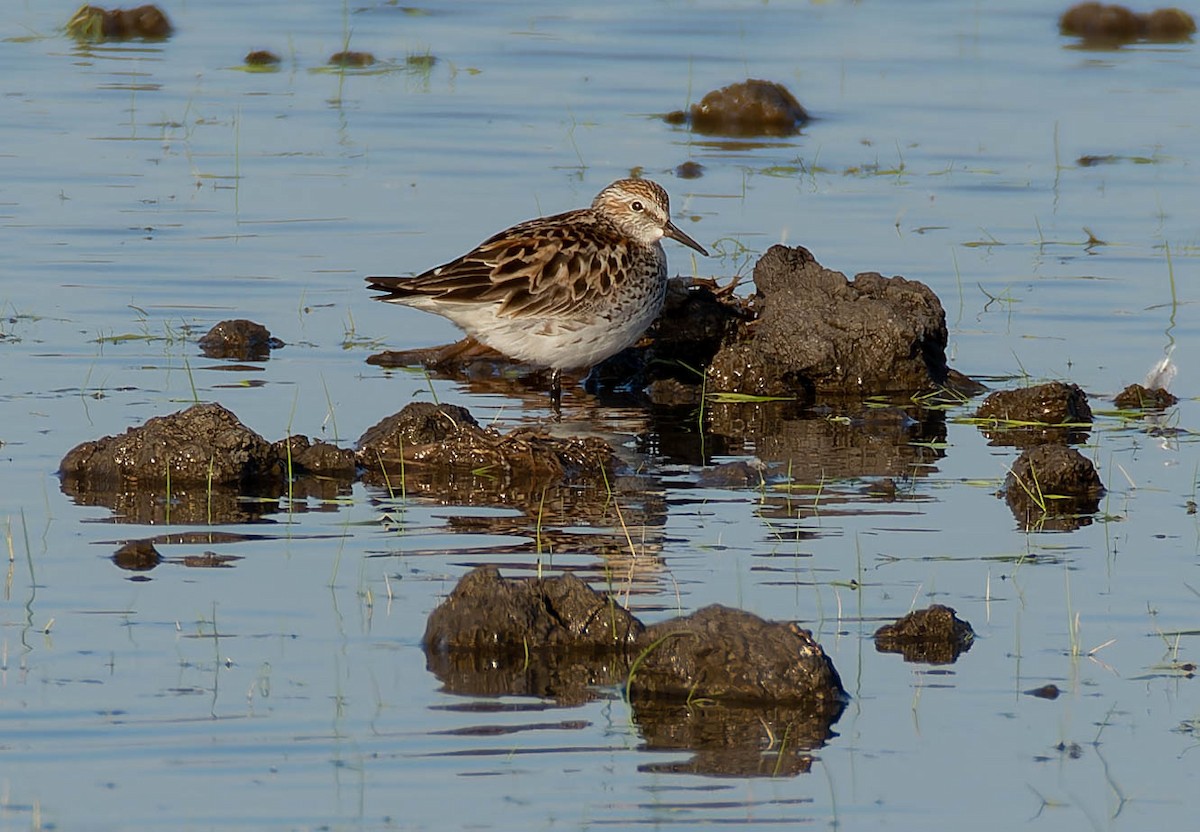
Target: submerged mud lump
(240,340)
(486,612)
(817,333)
(448,439)
(935,635)
(1016,417)
(1102,22)
(1051,481)
(747,108)
(1137,397)
(94,24)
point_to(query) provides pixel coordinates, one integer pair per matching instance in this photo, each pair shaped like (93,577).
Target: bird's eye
(637,206)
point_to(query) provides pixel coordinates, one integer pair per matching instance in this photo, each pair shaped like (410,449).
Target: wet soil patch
(745,109)
(1055,412)
(240,340)
(1053,487)
(935,635)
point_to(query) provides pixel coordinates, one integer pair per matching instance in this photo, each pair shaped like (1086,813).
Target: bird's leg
(556,392)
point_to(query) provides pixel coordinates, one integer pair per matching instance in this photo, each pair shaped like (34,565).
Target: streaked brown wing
(539,267)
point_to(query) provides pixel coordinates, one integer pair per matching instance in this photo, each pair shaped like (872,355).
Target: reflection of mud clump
(1137,397)
(486,612)
(1062,408)
(1103,23)
(1053,487)
(747,108)
(352,59)
(734,656)
(932,636)
(94,24)
(445,441)
(818,333)
(240,340)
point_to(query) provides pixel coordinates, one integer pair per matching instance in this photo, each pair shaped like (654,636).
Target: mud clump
(446,444)
(734,656)
(94,24)
(486,612)
(1101,23)
(1055,412)
(817,333)
(689,170)
(203,444)
(747,108)
(1054,487)
(935,635)
(352,60)
(1137,397)
(261,58)
(196,465)
(717,652)
(240,340)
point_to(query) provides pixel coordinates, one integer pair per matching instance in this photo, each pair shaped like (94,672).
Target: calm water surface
(149,190)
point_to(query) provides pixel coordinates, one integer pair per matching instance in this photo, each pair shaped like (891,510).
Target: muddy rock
(734,656)
(240,340)
(445,441)
(689,170)
(747,108)
(1137,397)
(935,635)
(486,612)
(94,24)
(315,458)
(1102,23)
(817,333)
(1016,417)
(1053,486)
(205,444)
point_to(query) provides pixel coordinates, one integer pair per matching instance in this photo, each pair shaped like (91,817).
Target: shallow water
(148,191)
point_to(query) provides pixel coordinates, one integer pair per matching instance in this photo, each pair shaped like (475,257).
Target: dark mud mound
(734,656)
(817,333)
(203,444)
(240,340)
(1137,397)
(196,466)
(1055,412)
(1053,487)
(745,109)
(487,613)
(261,58)
(444,446)
(350,59)
(747,696)
(1104,24)
(94,24)
(935,635)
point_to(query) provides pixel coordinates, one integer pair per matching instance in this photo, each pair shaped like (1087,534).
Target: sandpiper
(564,291)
